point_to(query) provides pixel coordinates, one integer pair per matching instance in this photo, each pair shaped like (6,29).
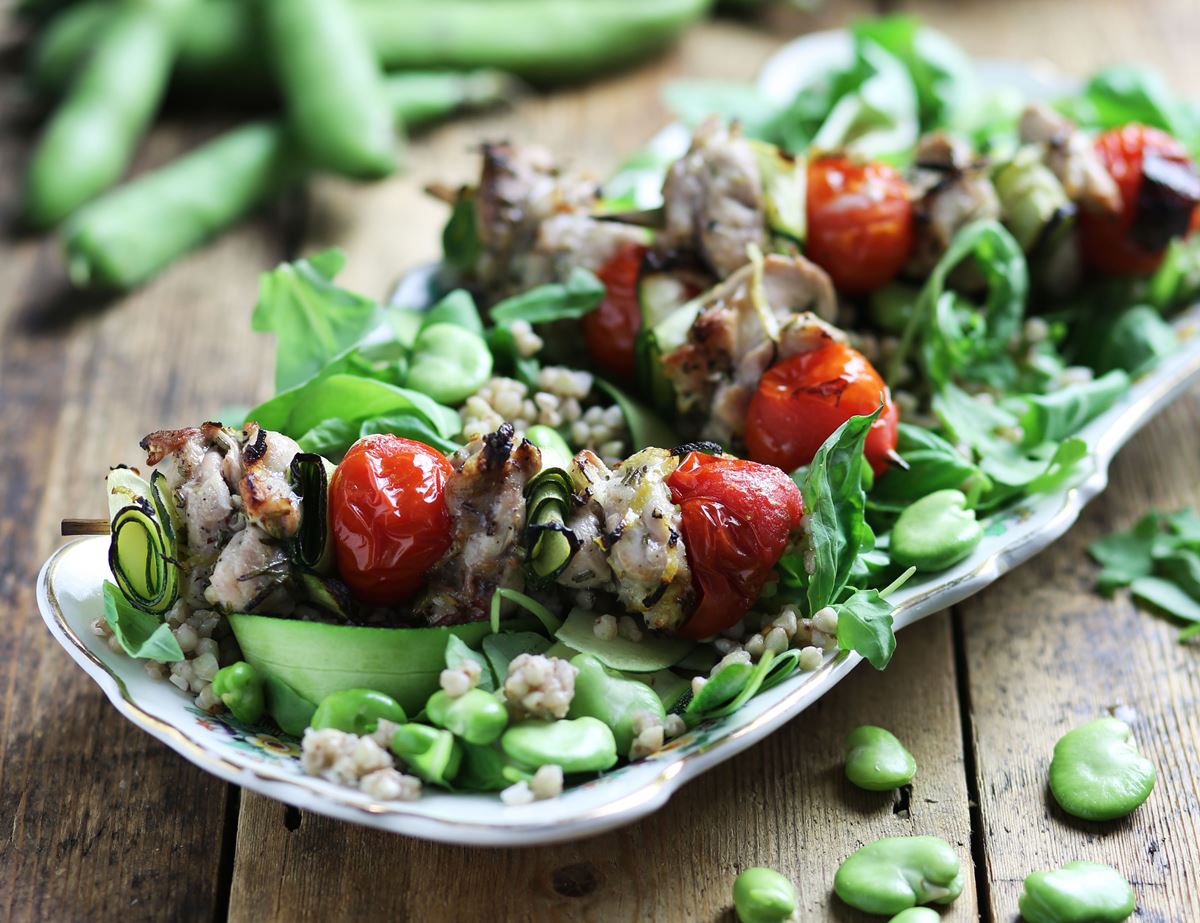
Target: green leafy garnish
(554,301)
(865,625)
(141,634)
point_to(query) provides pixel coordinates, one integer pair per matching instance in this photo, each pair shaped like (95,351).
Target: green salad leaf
(141,634)
(554,301)
(865,625)
(1122,94)
(312,318)
(835,502)
(933,464)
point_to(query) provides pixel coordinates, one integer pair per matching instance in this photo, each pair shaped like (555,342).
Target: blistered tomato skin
(1107,240)
(802,400)
(860,222)
(737,519)
(611,328)
(387,506)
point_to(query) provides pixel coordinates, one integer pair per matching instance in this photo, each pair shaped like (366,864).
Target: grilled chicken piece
(486,499)
(1069,154)
(249,575)
(264,483)
(233,496)
(630,536)
(534,221)
(713,199)
(737,336)
(953,190)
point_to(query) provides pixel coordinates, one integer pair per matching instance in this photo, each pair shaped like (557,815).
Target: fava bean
(877,761)
(1097,772)
(433,755)
(449,363)
(762,895)
(476,716)
(1079,892)
(935,532)
(332,85)
(356,711)
(895,873)
(917,915)
(612,699)
(577,745)
(240,688)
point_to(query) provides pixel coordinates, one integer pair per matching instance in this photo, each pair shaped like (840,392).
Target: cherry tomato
(611,328)
(737,517)
(387,507)
(802,400)
(1106,239)
(860,222)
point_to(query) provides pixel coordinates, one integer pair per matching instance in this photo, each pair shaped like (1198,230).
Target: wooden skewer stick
(84,527)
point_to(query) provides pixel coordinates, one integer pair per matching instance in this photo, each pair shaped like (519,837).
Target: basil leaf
(933,464)
(865,626)
(313,320)
(140,634)
(457,308)
(555,301)
(835,502)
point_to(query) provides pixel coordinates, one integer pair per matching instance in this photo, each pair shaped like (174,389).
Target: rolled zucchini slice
(785,189)
(142,550)
(549,543)
(312,545)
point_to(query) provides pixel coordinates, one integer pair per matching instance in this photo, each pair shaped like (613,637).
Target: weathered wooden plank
(784,803)
(101,821)
(1043,652)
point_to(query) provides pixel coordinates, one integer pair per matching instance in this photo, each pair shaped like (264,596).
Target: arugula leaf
(865,625)
(554,301)
(1122,94)
(942,73)
(1054,416)
(141,634)
(1125,556)
(956,338)
(1176,282)
(835,502)
(933,464)
(1167,596)
(313,320)
(1134,340)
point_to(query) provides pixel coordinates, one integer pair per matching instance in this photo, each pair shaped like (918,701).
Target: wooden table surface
(100,822)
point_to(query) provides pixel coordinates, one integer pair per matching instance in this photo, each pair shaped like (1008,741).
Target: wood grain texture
(99,820)
(1043,651)
(784,803)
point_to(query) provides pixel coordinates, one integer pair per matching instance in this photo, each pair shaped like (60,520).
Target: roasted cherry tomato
(860,222)
(387,507)
(802,400)
(1119,243)
(737,517)
(612,327)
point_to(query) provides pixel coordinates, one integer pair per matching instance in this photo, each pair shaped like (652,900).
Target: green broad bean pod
(611,699)
(333,87)
(356,711)
(89,140)
(125,237)
(240,689)
(543,41)
(476,716)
